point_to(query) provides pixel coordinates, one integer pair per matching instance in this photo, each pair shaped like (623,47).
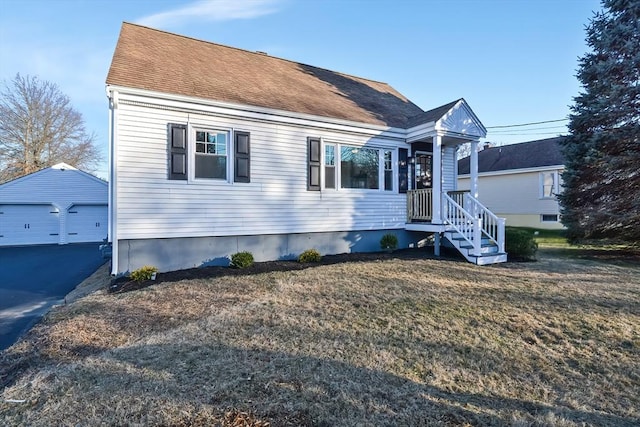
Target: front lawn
(389,341)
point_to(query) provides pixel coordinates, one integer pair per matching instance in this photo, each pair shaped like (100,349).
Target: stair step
(492,258)
(483,241)
(482,245)
(488,248)
(484,250)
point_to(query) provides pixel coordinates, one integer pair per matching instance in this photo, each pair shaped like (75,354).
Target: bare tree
(39,128)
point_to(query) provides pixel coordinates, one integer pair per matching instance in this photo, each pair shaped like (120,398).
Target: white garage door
(29,225)
(86,223)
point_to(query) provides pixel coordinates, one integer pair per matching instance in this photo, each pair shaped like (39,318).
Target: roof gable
(155,60)
(460,119)
(54,173)
(432,115)
(455,117)
(525,155)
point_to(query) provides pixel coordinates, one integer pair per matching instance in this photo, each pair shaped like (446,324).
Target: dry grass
(394,342)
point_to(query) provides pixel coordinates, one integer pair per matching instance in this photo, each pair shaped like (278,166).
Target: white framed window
(199,154)
(388,170)
(359,167)
(549,184)
(210,154)
(330,166)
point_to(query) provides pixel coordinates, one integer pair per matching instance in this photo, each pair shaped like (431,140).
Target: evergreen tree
(601,181)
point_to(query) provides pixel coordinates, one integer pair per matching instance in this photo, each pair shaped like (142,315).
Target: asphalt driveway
(33,278)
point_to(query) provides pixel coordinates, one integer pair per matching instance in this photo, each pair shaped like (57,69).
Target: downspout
(112,211)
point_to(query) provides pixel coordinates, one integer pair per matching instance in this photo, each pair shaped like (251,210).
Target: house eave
(419,132)
(514,171)
(256,112)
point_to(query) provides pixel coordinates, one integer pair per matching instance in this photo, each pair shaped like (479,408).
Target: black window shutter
(403,170)
(313,181)
(177,151)
(241,171)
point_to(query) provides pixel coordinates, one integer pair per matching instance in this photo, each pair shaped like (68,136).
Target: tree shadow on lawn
(283,389)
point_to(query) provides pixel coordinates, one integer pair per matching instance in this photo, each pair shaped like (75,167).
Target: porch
(476,232)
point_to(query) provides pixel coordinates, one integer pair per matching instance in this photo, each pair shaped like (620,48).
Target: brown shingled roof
(155,60)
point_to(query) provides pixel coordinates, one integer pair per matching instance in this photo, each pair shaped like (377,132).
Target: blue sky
(513,61)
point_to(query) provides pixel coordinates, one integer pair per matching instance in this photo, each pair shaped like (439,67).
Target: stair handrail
(467,225)
(492,225)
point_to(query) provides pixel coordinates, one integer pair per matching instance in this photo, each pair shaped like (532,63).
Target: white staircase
(474,230)
(489,250)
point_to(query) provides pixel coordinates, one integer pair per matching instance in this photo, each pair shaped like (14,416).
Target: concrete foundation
(189,252)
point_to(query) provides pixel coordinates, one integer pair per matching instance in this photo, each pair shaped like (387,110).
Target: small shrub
(389,242)
(310,255)
(520,243)
(143,273)
(242,259)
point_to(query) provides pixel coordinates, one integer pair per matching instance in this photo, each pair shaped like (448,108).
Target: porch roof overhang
(455,122)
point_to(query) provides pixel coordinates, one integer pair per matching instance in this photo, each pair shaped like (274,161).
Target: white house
(56,205)
(520,182)
(215,150)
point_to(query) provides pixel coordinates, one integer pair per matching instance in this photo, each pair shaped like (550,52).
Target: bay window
(331,165)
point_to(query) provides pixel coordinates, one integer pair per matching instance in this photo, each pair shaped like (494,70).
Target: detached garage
(57,205)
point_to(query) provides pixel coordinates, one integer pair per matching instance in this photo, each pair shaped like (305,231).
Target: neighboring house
(520,182)
(216,150)
(56,205)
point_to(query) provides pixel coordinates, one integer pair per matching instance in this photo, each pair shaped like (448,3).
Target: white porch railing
(491,225)
(463,222)
(419,205)
(458,196)
(462,213)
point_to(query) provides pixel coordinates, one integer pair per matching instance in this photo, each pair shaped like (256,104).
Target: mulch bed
(124,284)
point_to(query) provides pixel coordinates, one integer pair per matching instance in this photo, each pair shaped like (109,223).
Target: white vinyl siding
(448,169)
(275,201)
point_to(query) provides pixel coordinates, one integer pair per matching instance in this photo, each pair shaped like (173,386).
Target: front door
(423,170)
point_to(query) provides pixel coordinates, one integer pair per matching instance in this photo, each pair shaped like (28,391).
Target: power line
(526,124)
(527,130)
(533,133)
